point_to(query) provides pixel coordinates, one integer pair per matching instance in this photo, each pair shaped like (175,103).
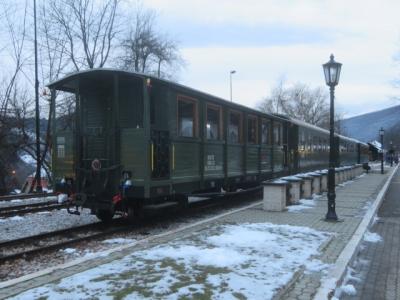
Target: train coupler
(74,212)
(76,200)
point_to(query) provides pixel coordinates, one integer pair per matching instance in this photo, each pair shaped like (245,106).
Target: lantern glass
(332,71)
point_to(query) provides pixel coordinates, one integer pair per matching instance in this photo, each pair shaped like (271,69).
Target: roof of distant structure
(376,145)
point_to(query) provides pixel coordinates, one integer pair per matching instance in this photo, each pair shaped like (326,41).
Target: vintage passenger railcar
(135,139)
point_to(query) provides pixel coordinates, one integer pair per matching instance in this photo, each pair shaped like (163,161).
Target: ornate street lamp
(230,77)
(332,73)
(382,133)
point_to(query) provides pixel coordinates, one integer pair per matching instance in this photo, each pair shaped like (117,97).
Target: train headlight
(128,183)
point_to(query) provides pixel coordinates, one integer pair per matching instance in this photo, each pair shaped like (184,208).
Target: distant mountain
(366,127)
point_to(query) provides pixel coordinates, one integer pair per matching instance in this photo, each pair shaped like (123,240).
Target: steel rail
(26,196)
(18,210)
(33,242)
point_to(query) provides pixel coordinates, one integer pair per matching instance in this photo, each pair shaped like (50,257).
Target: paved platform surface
(377,265)
(353,200)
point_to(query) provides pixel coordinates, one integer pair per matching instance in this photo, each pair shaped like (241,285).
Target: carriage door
(286,158)
(160,154)
(96,124)
(293,144)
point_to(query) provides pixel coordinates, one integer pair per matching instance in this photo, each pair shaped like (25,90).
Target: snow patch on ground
(304,204)
(16,201)
(315,265)
(372,237)
(349,289)
(15,218)
(28,159)
(346,287)
(118,241)
(193,199)
(68,250)
(375,220)
(231,261)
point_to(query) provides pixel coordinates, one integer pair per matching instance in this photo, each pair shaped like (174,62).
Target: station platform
(374,272)
(246,253)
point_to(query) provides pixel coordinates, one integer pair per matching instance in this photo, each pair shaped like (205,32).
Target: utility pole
(38,177)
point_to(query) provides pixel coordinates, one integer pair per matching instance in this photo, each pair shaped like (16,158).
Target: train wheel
(131,215)
(134,214)
(105,215)
(183,201)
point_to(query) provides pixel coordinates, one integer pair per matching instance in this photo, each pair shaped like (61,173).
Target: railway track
(18,210)
(30,246)
(26,196)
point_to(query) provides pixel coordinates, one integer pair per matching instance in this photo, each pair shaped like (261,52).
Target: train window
(61,151)
(213,125)
(277,133)
(235,127)
(186,117)
(265,128)
(252,129)
(302,142)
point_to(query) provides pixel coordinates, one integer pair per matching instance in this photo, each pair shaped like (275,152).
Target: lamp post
(391,151)
(230,77)
(382,133)
(332,73)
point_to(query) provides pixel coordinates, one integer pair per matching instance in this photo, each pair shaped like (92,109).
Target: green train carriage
(138,140)
(135,140)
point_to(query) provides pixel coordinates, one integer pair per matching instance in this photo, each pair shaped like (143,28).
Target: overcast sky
(264,40)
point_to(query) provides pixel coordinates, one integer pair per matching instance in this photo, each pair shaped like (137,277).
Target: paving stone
(382,273)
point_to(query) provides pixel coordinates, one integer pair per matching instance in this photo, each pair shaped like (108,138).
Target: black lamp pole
(38,177)
(332,73)
(230,81)
(391,153)
(381,133)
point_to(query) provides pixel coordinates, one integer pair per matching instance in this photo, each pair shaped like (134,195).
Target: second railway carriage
(132,139)
(309,148)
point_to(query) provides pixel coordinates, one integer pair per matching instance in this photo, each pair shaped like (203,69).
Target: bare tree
(53,50)
(88,30)
(140,43)
(146,50)
(13,95)
(53,63)
(11,138)
(167,54)
(310,104)
(276,103)
(15,102)
(16,35)
(298,101)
